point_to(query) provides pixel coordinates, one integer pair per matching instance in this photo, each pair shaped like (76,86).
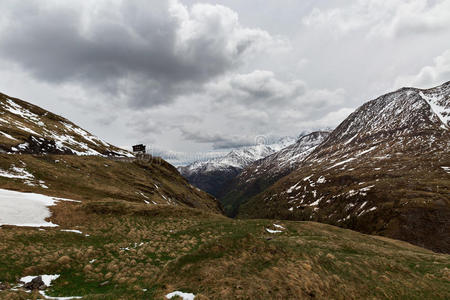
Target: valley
(382,171)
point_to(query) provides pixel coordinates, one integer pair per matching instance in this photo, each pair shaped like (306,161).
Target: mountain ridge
(27,128)
(381,171)
(264,172)
(214,174)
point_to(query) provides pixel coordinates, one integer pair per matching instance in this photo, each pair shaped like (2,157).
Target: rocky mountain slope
(213,175)
(264,172)
(26,128)
(384,170)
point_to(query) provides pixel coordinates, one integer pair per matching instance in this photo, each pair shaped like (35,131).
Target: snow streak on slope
(438,108)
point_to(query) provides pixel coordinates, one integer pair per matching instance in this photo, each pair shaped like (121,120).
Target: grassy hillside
(90,178)
(137,251)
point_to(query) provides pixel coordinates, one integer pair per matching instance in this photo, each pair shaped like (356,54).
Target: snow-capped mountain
(285,160)
(26,128)
(212,175)
(180,158)
(236,158)
(264,172)
(383,170)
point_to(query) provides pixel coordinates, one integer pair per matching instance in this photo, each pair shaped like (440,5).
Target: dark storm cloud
(143,51)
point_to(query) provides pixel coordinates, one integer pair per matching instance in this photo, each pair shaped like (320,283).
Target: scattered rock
(4,286)
(36,284)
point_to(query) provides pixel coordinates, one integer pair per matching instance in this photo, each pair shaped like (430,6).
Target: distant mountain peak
(267,170)
(213,174)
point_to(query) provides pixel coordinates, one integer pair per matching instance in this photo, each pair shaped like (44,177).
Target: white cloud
(384,18)
(428,76)
(334,118)
(260,87)
(217,28)
(192,76)
(235,108)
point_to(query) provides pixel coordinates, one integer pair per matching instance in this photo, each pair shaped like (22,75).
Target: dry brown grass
(97,178)
(132,246)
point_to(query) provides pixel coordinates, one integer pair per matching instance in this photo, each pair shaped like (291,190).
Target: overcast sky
(190,76)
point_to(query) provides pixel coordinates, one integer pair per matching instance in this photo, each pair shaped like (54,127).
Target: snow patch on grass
(308,177)
(273,231)
(47,279)
(278,226)
(16,173)
(291,189)
(59,298)
(315,203)
(16,109)
(182,295)
(321,179)
(26,209)
(72,230)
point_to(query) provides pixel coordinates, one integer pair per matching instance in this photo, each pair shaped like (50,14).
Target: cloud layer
(432,75)
(386,18)
(144,52)
(196,75)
